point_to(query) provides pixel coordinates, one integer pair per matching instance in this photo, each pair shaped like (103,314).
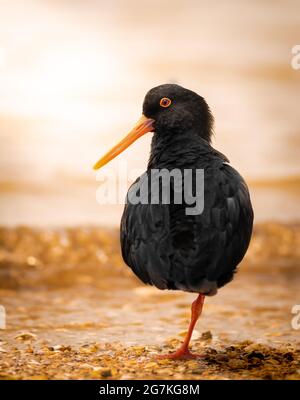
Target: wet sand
(75,311)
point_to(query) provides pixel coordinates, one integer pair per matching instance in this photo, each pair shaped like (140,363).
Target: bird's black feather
(172,250)
(164,246)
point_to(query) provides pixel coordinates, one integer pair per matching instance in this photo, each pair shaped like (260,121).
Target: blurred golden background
(73,78)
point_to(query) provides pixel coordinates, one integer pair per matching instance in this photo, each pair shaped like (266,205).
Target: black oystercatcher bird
(161,243)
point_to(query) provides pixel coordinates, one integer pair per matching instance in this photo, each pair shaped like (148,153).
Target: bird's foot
(180,354)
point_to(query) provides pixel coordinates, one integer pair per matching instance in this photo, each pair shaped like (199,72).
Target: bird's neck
(169,150)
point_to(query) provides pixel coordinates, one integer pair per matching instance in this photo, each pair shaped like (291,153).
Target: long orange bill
(143,126)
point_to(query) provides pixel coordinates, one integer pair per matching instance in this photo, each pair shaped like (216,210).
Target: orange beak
(143,126)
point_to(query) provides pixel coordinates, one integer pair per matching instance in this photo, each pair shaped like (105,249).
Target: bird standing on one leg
(163,244)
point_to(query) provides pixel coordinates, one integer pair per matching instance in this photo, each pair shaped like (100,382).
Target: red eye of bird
(165,102)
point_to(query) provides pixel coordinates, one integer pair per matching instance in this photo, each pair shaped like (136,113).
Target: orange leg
(183,351)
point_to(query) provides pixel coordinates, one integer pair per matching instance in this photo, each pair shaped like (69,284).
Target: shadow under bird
(164,245)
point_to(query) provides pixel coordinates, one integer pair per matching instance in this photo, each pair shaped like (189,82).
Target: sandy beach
(75,311)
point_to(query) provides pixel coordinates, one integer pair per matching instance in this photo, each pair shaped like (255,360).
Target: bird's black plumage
(164,246)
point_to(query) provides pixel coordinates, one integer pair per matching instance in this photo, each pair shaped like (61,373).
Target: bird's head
(167,109)
(176,109)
